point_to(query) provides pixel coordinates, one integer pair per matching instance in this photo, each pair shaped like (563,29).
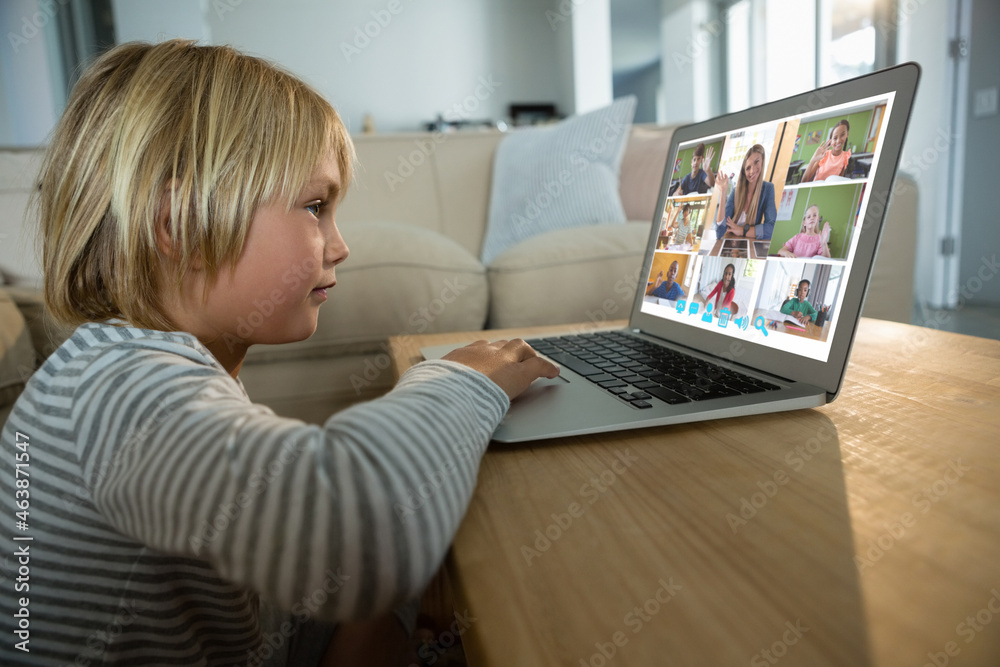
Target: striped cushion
(557,177)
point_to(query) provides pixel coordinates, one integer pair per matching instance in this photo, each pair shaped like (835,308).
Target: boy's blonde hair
(204,134)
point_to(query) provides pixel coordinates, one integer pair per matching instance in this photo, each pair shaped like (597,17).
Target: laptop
(735,319)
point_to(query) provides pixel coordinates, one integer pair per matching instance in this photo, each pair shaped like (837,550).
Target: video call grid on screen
(823,198)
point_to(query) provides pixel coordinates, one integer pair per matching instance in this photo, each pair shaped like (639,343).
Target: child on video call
(699,181)
(724,292)
(183,185)
(666,288)
(750,210)
(681,229)
(832,156)
(810,241)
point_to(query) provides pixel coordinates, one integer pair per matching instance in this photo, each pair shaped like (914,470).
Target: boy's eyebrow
(332,187)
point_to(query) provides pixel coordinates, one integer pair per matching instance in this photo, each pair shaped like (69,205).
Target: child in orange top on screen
(831,158)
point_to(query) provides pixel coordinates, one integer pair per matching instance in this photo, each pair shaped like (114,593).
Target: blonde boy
(172,520)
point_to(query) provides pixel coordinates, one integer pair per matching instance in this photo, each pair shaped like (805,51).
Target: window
(778,48)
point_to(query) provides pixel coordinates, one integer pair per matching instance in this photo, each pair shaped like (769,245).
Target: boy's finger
(540,367)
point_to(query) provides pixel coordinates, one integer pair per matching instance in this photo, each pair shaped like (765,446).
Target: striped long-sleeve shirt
(162,505)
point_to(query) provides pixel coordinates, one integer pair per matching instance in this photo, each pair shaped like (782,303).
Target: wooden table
(866,532)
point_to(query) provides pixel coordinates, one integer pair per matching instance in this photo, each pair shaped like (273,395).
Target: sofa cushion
(399,279)
(17,355)
(569,275)
(557,177)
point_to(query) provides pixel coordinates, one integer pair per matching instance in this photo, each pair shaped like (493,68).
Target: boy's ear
(164,230)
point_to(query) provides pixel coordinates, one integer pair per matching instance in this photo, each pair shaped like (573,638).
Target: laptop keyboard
(637,371)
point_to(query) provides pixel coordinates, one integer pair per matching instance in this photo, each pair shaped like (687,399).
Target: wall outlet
(984,102)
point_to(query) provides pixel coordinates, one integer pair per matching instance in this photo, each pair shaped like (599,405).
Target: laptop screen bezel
(901,80)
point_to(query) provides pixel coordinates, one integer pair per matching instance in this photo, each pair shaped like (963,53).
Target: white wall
(402,61)
(155,20)
(923,37)
(592,76)
(25,28)
(688,62)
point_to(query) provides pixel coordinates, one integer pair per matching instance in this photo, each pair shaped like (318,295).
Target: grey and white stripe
(165,506)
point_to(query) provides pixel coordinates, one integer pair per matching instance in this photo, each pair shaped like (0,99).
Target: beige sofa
(415,220)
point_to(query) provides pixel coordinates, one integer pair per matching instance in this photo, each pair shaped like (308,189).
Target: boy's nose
(336,248)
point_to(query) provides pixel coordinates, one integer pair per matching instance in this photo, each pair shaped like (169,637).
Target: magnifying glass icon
(759,324)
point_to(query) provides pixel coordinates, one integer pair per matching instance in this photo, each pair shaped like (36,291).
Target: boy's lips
(321,291)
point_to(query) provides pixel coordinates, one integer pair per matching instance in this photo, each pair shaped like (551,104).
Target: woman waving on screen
(750,210)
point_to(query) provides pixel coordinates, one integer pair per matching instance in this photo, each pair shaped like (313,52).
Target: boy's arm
(340,522)
(810,310)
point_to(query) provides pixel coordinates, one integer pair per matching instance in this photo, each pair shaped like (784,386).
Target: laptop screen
(758,234)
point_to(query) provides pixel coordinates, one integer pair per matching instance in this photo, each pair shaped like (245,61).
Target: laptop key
(721,392)
(574,364)
(667,396)
(611,383)
(642,405)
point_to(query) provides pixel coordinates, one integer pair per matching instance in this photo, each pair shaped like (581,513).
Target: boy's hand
(512,364)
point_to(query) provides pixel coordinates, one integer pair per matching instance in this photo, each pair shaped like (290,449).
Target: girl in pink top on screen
(809,242)
(724,291)
(831,158)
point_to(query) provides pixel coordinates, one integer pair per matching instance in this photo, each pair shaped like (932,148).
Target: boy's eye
(315,208)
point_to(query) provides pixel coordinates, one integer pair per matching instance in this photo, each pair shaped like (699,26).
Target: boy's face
(696,163)
(280,281)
